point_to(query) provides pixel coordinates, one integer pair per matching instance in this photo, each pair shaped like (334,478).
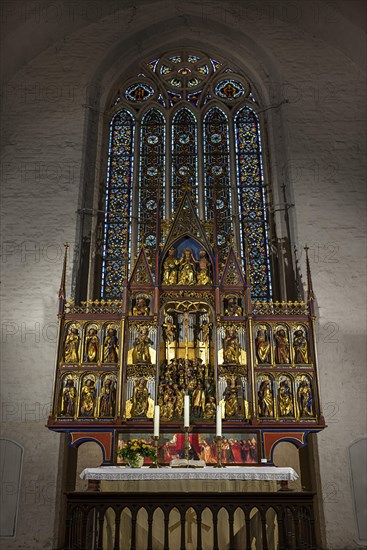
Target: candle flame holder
(155,445)
(218,439)
(187,430)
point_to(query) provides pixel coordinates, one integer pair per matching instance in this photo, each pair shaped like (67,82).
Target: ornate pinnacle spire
(310,294)
(63,276)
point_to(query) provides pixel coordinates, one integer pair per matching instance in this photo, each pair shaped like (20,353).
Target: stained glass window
(198,131)
(116,241)
(151,178)
(217,188)
(184,155)
(251,196)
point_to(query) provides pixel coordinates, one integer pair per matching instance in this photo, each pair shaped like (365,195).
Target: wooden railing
(277,521)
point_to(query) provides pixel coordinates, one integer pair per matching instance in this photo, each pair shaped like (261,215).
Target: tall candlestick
(156,421)
(219,420)
(187,411)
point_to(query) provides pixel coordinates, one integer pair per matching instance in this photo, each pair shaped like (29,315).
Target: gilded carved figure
(281,347)
(87,398)
(204,277)
(232,309)
(304,398)
(68,399)
(198,401)
(107,399)
(170,268)
(167,404)
(178,401)
(210,408)
(300,347)
(71,350)
(231,348)
(110,347)
(141,308)
(91,346)
(169,331)
(141,352)
(230,401)
(262,345)
(265,399)
(139,399)
(187,268)
(285,398)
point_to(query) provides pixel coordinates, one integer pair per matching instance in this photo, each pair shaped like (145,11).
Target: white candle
(219,420)
(156,421)
(187,411)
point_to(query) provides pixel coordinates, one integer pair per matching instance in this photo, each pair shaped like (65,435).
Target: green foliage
(136,447)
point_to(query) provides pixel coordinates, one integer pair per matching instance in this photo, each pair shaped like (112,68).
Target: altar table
(122,473)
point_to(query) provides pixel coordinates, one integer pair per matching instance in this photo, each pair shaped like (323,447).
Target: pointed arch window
(197,130)
(184,155)
(116,234)
(217,177)
(251,200)
(151,178)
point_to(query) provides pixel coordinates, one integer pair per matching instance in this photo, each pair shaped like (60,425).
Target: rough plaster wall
(319,151)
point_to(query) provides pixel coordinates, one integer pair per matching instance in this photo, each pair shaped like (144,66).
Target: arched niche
(89,456)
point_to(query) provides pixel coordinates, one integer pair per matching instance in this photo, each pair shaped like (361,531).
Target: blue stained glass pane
(216,64)
(217,188)
(117,204)
(141,91)
(229,89)
(184,155)
(151,178)
(251,197)
(153,64)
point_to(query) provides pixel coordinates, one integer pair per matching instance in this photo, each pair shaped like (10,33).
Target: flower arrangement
(135,447)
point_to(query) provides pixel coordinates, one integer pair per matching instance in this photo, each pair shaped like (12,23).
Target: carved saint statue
(300,347)
(91,346)
(231,348)
(167,403)
(69,396)
(210,408)
(230,401)
(282,347)
(71,350)
(110,347)
(187,268)
(304,398)
(87,398)
(262,345)
(232,309)
(140,397)
(141,353)
(265,399)
(203,277)
(179,396)
(141,308)
(198,401)
(170,268)
(107,399)
(285,398)
(169,331)
(205,332)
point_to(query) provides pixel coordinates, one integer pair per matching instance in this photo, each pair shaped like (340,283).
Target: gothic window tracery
(197,130)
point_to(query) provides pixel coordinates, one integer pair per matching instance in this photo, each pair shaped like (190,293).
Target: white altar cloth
(122,473)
